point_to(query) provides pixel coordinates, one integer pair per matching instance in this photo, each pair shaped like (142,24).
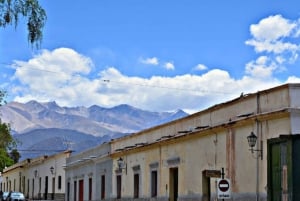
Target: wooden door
(80,192)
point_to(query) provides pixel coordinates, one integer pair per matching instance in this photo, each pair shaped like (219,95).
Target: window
(102,187)
(59,182)
(136,185)
(154,183)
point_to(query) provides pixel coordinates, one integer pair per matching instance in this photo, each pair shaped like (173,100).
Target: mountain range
(46,128)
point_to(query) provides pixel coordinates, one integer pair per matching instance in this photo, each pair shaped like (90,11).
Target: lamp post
(252,138)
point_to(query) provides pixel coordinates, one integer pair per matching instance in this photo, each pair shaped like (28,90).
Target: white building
(38,178)
(89,174)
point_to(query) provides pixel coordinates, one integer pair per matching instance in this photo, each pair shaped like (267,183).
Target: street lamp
(35,173)
(52,170)
(121,164)
(252,138)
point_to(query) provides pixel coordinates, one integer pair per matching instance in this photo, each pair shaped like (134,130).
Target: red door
(80,193)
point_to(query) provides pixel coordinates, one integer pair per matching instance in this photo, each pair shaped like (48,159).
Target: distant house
(40,178)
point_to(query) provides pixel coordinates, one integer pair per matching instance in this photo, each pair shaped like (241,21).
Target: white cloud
(272,47)
(271,35)
(274,40)
(272,28)
(63,80)
(293,79)
(169,66)
(263,67)
(150,61)
(200,67)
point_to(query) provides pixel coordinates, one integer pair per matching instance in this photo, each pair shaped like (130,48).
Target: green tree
(11,10)
(15,155)
(8,153)
(5,160)
(7,143)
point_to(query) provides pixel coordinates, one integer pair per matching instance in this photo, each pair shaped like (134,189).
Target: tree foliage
(11,10)
(8,153)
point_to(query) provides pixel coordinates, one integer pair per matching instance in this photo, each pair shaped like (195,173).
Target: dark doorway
(102,187)
(53,188)
(75,191)
(119,185)
(90,188)
(136,186)
(68,191)
(80,193)
(154,183)
(206,192)
(206,183)
(46,188)
(173,183)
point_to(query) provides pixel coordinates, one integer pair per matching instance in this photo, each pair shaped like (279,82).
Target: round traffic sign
(223,185)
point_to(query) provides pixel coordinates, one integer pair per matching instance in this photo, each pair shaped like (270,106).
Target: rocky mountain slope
(44,127)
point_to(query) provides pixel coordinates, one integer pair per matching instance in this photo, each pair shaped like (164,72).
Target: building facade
(41,178)
(88,174)
(183,160)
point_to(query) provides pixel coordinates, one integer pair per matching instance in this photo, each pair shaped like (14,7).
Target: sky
(156,55)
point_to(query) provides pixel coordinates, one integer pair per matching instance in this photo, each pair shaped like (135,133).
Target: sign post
(224,191)
(223,187)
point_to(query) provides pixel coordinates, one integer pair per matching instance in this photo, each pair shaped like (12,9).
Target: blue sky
(157,55)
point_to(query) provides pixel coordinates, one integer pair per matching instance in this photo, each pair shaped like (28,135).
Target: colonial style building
(183,160)
(40,178)
(89,175)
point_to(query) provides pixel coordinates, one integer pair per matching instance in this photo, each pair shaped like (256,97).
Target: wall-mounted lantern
(252,138)
(52,170)
(35,173)
(121,165)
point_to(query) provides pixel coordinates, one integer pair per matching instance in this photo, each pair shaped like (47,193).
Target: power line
(164,87)
(41,150)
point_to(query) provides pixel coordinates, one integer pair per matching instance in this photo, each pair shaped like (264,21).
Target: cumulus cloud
(272,38)
(169,66)
(150,61)
(200,67)
(271,35)
(272,28)
(262,67)
(63,75)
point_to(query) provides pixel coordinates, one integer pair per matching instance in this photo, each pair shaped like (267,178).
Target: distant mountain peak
(123,107)
(28,120)
(95,120)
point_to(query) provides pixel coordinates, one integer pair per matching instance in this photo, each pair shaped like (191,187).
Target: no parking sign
(224,191)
